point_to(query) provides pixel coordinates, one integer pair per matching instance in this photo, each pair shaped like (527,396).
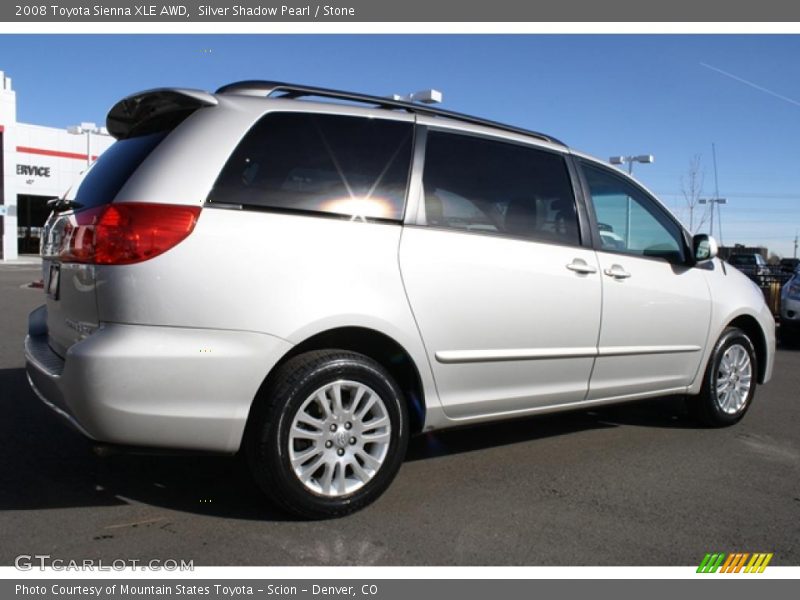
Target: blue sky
(666,95)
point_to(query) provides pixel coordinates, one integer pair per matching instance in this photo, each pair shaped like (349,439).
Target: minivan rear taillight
(126,232)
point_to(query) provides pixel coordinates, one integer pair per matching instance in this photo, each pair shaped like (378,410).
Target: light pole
(629,160)
(87,129)
(712,202)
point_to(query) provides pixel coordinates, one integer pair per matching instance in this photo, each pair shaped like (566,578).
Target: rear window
(342,165)
(101,183)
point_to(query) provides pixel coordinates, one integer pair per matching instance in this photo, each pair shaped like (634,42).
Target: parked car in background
(789,265)
(310,276)
(609,238)
(790,309)
(753,265)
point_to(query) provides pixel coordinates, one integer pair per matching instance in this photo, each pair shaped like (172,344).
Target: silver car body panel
(484,345)
(665,352)
(169,387)
(734,296)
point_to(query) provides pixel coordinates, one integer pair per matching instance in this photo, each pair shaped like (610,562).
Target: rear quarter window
(105,178)
(332,164)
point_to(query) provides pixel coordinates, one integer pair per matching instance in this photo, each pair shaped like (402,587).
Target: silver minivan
(309,277)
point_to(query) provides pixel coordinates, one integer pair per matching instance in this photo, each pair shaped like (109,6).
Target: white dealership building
(38,163)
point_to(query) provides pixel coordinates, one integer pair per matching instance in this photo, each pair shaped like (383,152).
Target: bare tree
(692,189)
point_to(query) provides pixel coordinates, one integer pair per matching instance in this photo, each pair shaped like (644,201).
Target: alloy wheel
(339,438)
(734,379)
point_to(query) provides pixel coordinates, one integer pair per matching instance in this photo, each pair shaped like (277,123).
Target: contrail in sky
(752,85)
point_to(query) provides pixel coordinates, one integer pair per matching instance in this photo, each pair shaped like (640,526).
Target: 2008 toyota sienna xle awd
(311,276)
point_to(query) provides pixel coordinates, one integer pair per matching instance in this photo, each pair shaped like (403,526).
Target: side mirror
(704,247)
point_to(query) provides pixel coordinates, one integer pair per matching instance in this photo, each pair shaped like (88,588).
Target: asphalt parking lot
(630,485)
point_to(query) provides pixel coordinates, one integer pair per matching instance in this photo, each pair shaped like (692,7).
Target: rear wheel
(729,382)
(331,435)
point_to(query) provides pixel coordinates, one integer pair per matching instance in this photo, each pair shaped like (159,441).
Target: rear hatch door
(139,122)
(69,283)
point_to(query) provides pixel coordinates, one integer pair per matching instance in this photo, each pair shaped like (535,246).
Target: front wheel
(729,382)
(331,436)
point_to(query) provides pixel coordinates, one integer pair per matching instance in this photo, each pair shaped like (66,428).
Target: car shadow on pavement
(668,412)
(792,345)
(45,464)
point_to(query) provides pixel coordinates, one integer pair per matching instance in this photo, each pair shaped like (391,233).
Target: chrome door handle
(617,272)
(580,266)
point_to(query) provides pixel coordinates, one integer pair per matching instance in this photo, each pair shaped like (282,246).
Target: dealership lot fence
(771,284)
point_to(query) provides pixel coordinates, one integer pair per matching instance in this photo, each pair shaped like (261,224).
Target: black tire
(706,407)
(269,431)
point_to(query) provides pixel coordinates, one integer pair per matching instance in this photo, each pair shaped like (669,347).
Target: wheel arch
(752,328)
(378,346)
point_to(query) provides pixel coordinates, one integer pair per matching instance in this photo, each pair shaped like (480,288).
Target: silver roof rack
(290,90)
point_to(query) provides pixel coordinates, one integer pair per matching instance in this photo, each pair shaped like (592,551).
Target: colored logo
(735,562)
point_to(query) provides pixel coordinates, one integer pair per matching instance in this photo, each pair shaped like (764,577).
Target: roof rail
(290,90)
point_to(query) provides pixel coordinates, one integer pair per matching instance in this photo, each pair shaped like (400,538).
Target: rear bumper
(167,387)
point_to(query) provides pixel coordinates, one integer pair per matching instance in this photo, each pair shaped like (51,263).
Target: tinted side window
(629,221)
(351,166)
(113,168)
(476,184)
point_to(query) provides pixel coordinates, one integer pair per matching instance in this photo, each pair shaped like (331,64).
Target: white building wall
(43,167)
(37,161)
(8,120)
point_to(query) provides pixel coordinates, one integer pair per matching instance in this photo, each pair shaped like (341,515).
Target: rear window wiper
(62,204)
